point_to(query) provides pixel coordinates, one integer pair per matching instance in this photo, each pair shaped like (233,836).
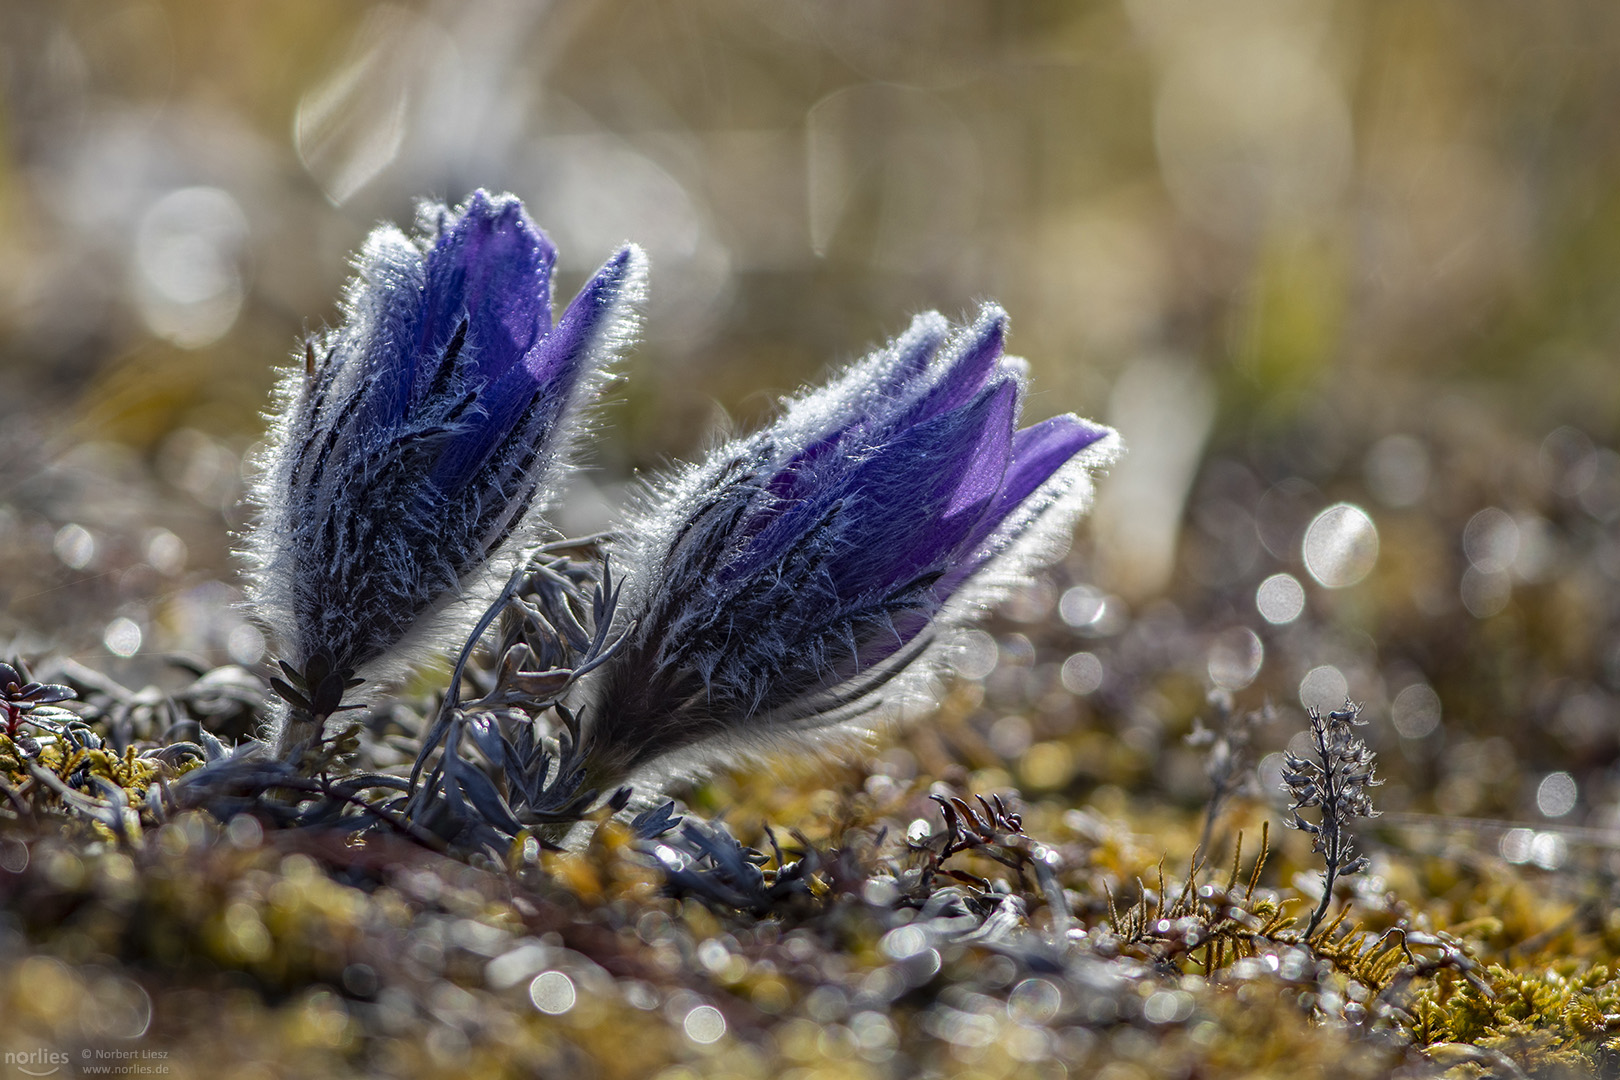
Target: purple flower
(809,574)
(412,450)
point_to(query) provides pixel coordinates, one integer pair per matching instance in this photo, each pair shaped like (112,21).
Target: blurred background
(1346,276)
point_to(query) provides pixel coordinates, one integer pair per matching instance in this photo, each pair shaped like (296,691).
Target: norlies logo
(39,1062)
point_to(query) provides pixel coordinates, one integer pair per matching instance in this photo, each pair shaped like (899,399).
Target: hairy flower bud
(809,574)
(410,453)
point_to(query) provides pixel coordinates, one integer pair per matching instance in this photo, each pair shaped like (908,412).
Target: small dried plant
(1229,761)
(551,626)
(1336,780)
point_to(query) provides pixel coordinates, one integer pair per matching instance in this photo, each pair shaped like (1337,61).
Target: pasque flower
(413,448)
(810,574)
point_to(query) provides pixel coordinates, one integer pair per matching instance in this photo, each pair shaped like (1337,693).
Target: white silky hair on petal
(857,390)
(303,401)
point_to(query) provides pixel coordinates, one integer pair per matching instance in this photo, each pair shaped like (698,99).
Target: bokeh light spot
(122,637)
(1082,673)
(1323,688)
(1556,794)
(705,1024)
(245,645)
(166,552)
(1280,599)
(1600,485)
(1515,845)
(1485,593)
(976,655)
(1564,452)
(74,546)
(1341,546)
(1167,1007)
(1549,850)
(1081,606)
(1034,1001)
(1047,766)
(1416,711)
(1491,540)
(552,993)
(188,286)
(1235,657)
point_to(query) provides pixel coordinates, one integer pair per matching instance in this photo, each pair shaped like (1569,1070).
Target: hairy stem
(295,733)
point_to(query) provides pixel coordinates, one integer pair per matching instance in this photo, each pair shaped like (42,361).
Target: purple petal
(533,395)
(1038,452)
(865,394)
(591,317)
(488,267)
(860,403)
(982,477)
(491,266)
(973,362)
(906,513)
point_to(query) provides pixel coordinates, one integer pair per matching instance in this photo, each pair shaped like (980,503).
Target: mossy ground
(229,949)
